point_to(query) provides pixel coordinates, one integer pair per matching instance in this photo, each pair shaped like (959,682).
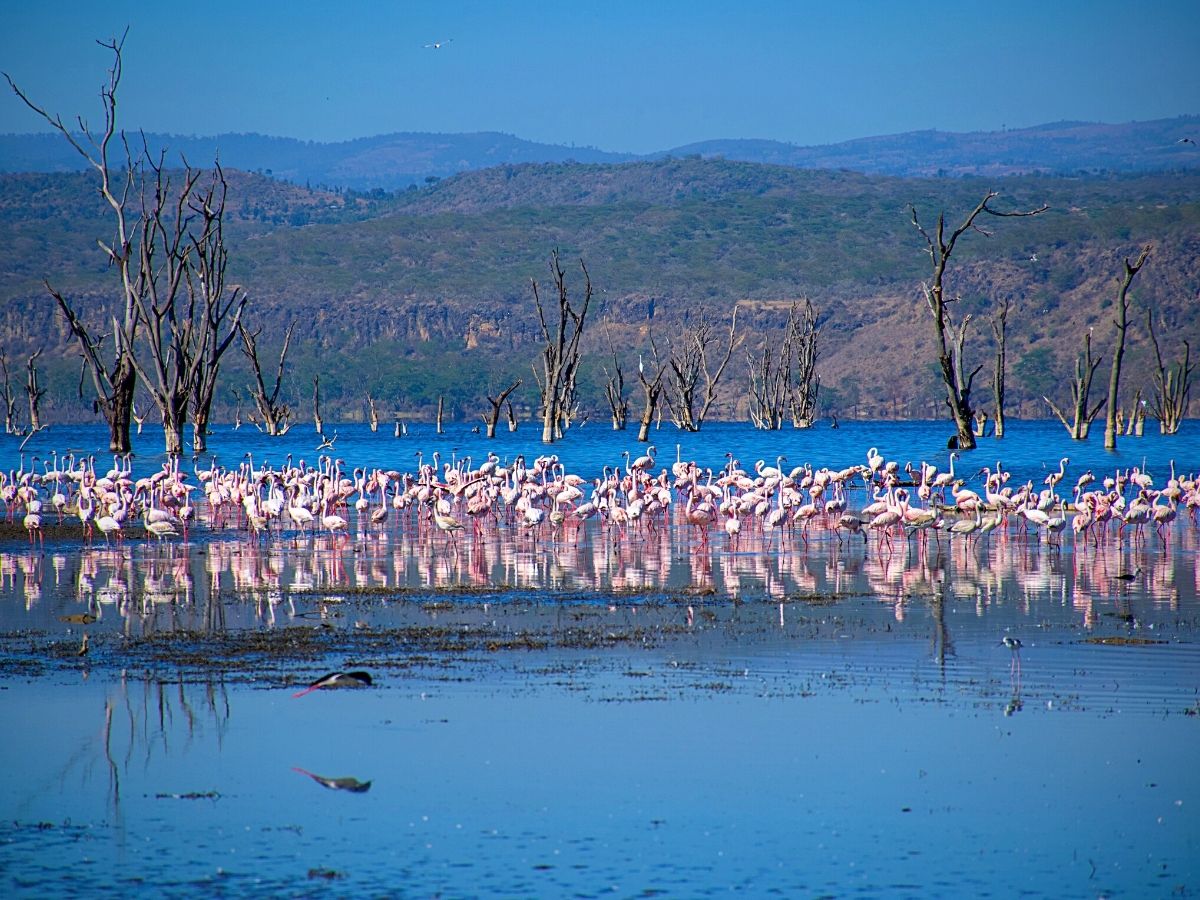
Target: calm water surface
(649,717)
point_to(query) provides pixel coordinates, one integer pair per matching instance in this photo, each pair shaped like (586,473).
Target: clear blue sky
(629,76)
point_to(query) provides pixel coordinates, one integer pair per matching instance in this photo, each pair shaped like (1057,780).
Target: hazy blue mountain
(1061,148)
(387,161)
(393,161)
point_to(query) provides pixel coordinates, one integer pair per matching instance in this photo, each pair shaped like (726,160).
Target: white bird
(438,45)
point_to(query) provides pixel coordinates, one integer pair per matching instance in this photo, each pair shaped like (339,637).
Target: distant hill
(1061,148)
(426,293)
(388,161)
(396,161)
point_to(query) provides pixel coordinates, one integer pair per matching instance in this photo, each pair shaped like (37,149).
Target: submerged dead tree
(9,399)
(614,389)
(109,364)
(651,379)
(1000,330)
(34,391)
(216,312)
(318,422)
(1121,323)
(1081,386)
(805,386)
(949,351)
(561,332)
(687,397)
(189,320)
(1172,384)
(781,374)
(492,417)
(276,416)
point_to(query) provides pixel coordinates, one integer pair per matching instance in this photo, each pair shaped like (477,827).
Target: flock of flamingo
(541,497)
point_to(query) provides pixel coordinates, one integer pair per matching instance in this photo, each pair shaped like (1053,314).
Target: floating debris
(191,795)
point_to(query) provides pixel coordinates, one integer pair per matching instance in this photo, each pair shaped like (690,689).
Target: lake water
(583,716)
(1029,450)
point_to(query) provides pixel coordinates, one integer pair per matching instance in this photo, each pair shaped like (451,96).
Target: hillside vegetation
(425,293)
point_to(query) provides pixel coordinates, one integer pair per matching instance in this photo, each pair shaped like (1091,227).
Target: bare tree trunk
(493,417)
(9,398)
(372,415)
(117,406)
(1085,368)
(981,418)
(1172,384)
(34,392)
(441,409)
(512,418)
(276,416)
(950,360)
(317,420)
(560,351)
(614,388)
(1000,330)
(218,316)
(652,388)
(114,382)
(805,387)
(1121,322)
(770,379)
(614,393)
(1134,423)
(687,362)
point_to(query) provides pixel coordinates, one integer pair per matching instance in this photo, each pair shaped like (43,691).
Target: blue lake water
(598,718)
(1030,449)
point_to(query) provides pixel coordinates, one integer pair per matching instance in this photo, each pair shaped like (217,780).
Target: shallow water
(1029,449)
(598,717)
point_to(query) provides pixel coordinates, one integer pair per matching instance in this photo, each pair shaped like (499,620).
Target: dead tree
(1172,384)
(317,420)
(217,312)
(1121,322)
(805,384)
(687,362)
(237,408)
(1000,330)
(10,398)
(652,388)
(560,351)
(440,411)
(1134,422)
(1082,416)
(768,389)
(189,320)
(492,417)
(276,416)
(954,377)
(512,417)
(372,414)
(34,391)
(614,389)
(112,370)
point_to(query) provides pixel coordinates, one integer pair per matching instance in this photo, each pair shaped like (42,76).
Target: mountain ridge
(401,159)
